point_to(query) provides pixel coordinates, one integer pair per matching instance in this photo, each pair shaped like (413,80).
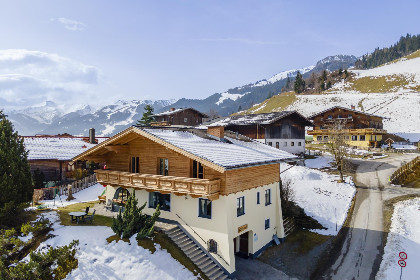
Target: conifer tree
(147,116)
(299,83)
(15,174)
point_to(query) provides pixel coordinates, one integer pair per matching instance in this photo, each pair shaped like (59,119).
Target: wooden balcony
(159,183)
(362,131)
(161,123)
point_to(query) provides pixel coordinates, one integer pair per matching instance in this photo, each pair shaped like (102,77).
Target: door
(241,247)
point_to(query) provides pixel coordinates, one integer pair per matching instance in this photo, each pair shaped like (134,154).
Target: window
(347,137)
(339,116)
(277,145)
(349,116)
(134,165)
(270,143)
(204,208)
(258,197)
(164,201)
(319,138)
(325,138)
(163,166)
(240,206)
(267,223)
(362,137)
(292,143)
(285,144)
(268,197)
(354,138)
(299,143)
(185,119)
(197,170)
(329,117)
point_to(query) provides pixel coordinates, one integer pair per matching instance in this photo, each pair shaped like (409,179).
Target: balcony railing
(348,131)
(164,184)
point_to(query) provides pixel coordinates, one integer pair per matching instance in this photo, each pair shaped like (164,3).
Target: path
(361,253)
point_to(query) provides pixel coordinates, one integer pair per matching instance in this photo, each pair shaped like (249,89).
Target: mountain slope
(245,96)
(391,91)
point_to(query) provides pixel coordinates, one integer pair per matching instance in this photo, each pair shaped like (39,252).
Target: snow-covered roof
(231,154)
(264,118)
(343,108)
(60,148)
(171,112)
(235,151)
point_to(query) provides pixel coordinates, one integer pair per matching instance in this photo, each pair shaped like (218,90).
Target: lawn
(98,220)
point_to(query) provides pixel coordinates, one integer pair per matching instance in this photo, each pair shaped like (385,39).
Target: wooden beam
(118,148)
(95,158)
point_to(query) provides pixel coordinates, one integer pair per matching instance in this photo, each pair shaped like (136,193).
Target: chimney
(216,131)
(172,109)
(92,139)
(353,107)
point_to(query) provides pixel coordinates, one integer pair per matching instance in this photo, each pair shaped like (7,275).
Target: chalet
(284,130)
(362,129)
(53,154)
(219,187)
(182,116)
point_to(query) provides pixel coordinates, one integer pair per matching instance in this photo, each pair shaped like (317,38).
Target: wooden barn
(182,116)
(362,129)
(283,130)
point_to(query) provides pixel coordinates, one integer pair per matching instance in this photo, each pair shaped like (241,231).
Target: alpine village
(313,173)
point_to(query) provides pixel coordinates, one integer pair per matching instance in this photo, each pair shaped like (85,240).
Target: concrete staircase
(210,268)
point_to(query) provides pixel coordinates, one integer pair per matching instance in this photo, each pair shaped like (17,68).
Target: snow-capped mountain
(76,119)
(243,97)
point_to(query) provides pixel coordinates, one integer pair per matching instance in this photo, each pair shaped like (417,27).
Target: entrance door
(241,246)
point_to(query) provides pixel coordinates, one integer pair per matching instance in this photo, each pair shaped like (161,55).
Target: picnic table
(75,216)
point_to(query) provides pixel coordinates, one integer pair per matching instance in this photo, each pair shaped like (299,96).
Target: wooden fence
(401,173)
(76,186)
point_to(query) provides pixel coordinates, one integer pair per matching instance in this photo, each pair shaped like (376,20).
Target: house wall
(50,168)
(224,223)
(369,138)
(358,119)
(287,145)
(186,117)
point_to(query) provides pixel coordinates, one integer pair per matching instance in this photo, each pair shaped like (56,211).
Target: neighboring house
(182,116)
(362,129)
(221,188)
(283,130)
(53,154)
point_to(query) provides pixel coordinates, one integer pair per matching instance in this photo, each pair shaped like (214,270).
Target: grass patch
(415,54)
(98,220)
(275,103)
(165,243)
(390,83)
(305,240)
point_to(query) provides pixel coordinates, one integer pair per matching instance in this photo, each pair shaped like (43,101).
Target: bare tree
(338,143)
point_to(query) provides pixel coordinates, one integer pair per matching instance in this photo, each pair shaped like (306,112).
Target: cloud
(32,77)
(70,24)
(242,41)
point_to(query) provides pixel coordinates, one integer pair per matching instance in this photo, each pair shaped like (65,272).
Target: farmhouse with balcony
(219,187)
(52,154)
(182,116)
(284,130)
(362,129)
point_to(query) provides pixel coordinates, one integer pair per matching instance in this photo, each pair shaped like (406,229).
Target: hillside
(391,91)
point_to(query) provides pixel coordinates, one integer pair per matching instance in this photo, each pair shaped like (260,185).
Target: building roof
(265,118)
(166,113)
(59,148)
(348,109)
(235,151)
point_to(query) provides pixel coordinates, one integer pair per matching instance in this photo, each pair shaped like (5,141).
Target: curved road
(361,252)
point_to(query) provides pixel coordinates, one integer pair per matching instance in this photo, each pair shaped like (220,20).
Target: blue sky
(109,50)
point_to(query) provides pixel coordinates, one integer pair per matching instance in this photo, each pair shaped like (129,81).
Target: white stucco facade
(225,225)
(294,146)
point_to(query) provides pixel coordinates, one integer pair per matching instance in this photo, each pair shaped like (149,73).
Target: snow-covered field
(319,194)
(319,162)
(99,259)
(89,194)
(404,236)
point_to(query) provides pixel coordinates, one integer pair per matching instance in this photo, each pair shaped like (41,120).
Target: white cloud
(32,77)
(70,24)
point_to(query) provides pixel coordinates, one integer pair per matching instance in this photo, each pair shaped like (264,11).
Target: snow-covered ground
(319,162)
(99,259)
(404,236)
(319,194)
(89,194)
